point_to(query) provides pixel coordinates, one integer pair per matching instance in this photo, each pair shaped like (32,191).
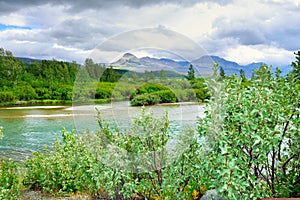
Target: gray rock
(211,195)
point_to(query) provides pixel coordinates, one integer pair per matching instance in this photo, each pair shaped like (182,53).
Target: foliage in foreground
(9,180)
(247,148)
(119,164)
(253,136)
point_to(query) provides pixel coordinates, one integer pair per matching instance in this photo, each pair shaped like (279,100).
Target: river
(29,129)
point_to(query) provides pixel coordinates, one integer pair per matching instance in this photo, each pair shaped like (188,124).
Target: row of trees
(54,80)
(46,79)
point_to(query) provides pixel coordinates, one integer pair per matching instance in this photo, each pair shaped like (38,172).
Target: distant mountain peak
(204,64)
(129,55)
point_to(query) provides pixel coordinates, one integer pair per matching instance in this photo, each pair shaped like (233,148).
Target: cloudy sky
(239,30)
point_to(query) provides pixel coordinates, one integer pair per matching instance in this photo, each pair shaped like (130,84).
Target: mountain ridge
(202,65)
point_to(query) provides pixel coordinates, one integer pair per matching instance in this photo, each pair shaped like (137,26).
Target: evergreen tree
(191,73)
(162,74)
(296,65)
(222,73)
(242,75)
(109,75)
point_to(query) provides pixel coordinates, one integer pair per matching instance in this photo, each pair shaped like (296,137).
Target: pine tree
(191,73)
(222,73)
(296,65)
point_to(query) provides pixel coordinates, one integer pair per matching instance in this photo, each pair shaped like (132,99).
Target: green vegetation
(51,81)
(1,132)
(252,137)
(119,164)
(191,73)
(246,147)
(9,180)
(44,80)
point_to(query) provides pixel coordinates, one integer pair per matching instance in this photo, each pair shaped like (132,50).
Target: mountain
(131,62)
(228,66)
(202,65)
(27,61)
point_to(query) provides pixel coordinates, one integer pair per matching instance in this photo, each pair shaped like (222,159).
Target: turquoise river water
(29,129)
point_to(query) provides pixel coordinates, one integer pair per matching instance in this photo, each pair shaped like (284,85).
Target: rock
(211,195)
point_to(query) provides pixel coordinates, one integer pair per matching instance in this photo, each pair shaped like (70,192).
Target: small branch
(273,170)
(286,162)
(284,132)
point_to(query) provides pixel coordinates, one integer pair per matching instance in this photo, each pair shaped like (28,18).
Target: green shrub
(103,93)
(9,181)
(6,96)
(165,96)
(63,170)
(119,164)
(252,138)
(25,92)
(149,88)
(145,100)
(202,94)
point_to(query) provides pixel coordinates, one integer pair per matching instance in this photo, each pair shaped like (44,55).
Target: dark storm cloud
(79,33)
(91,4)
(79,5)
(14,5)
(243,36)
(271,26)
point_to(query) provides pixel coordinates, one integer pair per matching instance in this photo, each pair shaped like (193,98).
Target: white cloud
(268,30)
(259,53)
(13,19)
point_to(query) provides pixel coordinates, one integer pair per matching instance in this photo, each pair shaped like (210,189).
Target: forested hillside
(47,79)
(51,81)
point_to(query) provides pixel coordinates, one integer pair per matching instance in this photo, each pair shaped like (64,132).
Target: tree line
(40,80)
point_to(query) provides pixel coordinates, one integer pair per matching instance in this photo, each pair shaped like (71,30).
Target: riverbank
(48,102)
(35,103)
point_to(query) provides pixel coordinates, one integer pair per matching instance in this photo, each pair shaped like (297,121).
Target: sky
(237,30)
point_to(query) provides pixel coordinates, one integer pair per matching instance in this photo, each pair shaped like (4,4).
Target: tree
(222,73)
(162,74)
(148,75)
(256,153)
(2,52)
(134,76)
(109,75)
(191,73)
(242,75)
(296,65)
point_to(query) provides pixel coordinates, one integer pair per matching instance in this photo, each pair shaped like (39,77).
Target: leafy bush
(9,182)
(63,170)
(149,88)
(25,92)
(145,100)
(120,164)
(252,138)
(165,96)
(104,91)
(202,94)
(6,96)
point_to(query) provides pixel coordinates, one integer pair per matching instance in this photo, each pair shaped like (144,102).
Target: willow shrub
(114,163)
(252,137)
(9,180)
